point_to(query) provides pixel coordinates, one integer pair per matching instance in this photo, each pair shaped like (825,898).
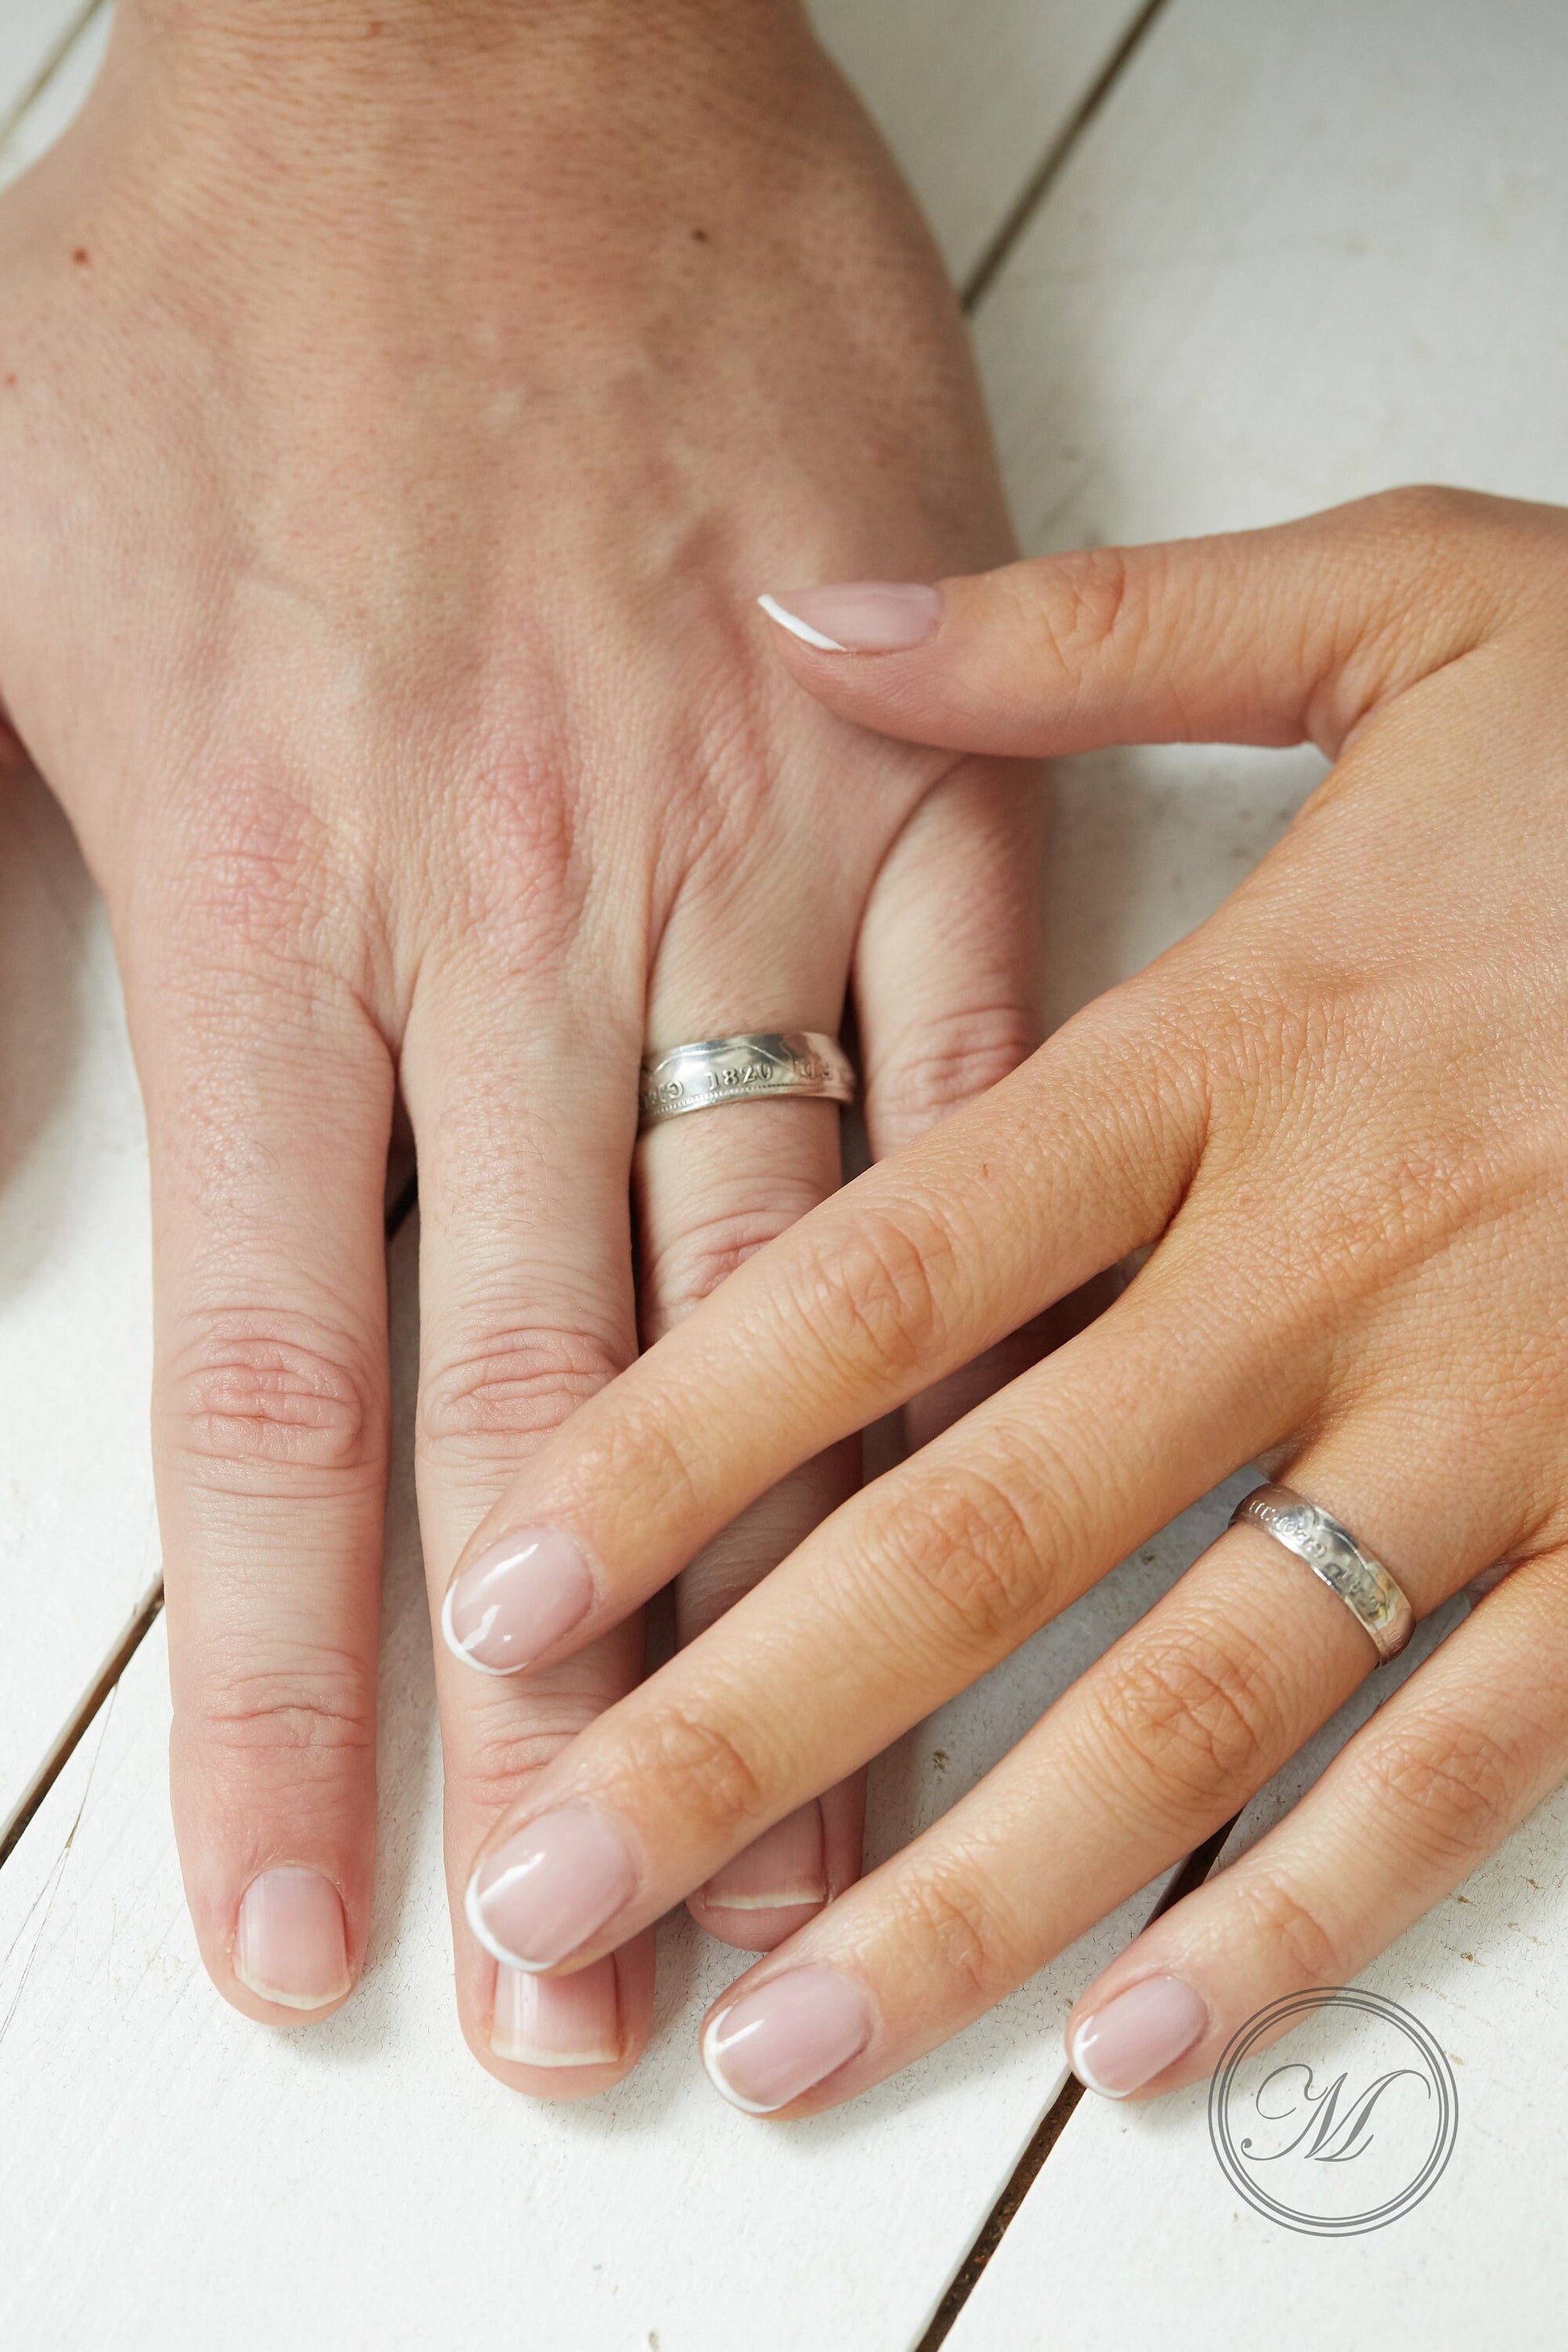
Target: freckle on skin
(81,256)
(699,236)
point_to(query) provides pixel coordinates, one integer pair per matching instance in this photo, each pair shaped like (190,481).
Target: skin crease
(399,415)
(1333,1117)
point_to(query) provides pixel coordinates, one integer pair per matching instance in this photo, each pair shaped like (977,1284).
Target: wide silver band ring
(758,1065)
(1332,1553)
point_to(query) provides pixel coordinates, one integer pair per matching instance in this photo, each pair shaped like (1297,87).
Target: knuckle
(504,1747)
(958,1056)
(959,1934)
(258,874)
(315,1711)
(700,1771)
(872,1293)
(965,1564)
(1076,606)
(682,1270)
(508,1385)
(1199,1711)
(268,1391)
(1449,1791)
(1281,1919)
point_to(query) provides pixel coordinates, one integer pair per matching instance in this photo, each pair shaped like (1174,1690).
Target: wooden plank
(33,35)
(971,94)
(417,2198)
(61,96)
(79,1550)
(1306,251)
(1131,2239)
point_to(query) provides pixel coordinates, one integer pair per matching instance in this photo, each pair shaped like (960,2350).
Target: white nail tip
(524,2054)
(292,1999)
(477,1665)
(792,1899)
(713,2066)
(799,628)
(1086,2072)
(476,1919)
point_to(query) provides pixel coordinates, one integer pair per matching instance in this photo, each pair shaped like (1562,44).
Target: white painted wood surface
(33,34)
(70,76)
(973,93)
(1306,251)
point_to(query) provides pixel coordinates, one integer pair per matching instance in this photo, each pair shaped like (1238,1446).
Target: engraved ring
(1331,1552)
(759,1066)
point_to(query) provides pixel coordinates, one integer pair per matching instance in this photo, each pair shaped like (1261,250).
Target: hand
(396,437)
(1335,1117)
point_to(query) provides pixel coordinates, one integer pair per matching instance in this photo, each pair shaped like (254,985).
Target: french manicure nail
(290,1945)
(558,2021)
(782,1871)
(859,616)
(772,2044)
(523,1594)
(1136,2036)
(543,1893)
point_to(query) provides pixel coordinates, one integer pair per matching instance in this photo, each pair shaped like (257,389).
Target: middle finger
(910,1591)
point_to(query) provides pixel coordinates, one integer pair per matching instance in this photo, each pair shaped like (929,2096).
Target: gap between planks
(11,118)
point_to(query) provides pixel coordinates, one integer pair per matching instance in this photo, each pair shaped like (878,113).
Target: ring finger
(1182,1721)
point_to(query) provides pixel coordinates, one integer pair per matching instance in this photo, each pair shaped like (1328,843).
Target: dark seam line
(13,121)
(70,1739)
(397,1214)
(978,283)
(1193,1873)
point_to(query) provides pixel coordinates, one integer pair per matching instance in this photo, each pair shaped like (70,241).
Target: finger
(1161,1742)
(523,1091)
(713,1188)
(1442,1774)
(864,1302)
(947,989)
(270,1419)
(1265,636)
(913,1589)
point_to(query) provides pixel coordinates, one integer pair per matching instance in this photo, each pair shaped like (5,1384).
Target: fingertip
(567,2037)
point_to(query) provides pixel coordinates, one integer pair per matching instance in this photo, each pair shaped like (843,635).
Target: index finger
(912,1271)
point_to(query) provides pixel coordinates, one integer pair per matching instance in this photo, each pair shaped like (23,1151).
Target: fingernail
(1137,2035)
(558,2021)
(782,1872)
(522,1593)
(859,616)
(534,1900)
(291,1946)
(768,2046)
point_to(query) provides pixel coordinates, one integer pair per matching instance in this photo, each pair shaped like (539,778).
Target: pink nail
(291,1946)
(558,2021)
(512,1604)
(782,1871)
(859,616)
(534,1900)
(771,2045)
(1136,2036)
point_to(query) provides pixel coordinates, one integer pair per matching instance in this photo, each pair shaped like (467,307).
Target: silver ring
(759,1066)
(1332,1553)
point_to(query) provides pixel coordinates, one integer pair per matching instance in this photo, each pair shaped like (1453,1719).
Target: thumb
(1257,636)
